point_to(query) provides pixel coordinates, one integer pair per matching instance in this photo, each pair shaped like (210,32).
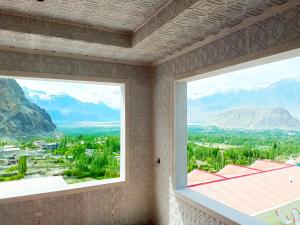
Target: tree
(22,165)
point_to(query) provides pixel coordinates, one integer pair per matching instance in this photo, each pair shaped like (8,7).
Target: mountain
(284,93)
(20,118)
(254,118)
(64,108)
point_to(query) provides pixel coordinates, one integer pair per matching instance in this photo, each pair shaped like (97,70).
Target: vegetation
(16,172)
(78,158)
(212,149)
(97,156)
(91,157)
(22,165)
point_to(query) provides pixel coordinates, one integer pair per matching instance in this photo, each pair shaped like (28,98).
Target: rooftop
(234,170)
(272,185)
(199,176)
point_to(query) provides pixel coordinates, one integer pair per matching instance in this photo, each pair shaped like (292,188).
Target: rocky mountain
(20,118)
(64,108)
(284,93)
(254,118)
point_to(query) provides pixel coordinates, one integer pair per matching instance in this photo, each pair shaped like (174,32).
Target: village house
(46,146)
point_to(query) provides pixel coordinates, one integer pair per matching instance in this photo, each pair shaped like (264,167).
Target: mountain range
(64,108)
(277,106)
(253,118)
(20,118)
(284,95)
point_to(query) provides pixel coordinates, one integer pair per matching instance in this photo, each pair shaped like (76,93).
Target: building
(10,148)
(51,146)
(12,160)
(271,184)
(151,47)
(46,146)
(89,152)
(39,144)
(9,151)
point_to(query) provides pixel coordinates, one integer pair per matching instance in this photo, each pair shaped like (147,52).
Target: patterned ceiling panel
(204,19)
(179,25)
(122,15)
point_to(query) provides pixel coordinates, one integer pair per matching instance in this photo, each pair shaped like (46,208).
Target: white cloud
(84,92)
(41,95)
(247,79)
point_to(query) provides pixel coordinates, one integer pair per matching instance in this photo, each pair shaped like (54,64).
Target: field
(82,152)
(211,148)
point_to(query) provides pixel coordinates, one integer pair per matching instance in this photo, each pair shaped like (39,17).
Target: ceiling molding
(63,21)
(152,16)
(72,56)
(48,28)
(169,11)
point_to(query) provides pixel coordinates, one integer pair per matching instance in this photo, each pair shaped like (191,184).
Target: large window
(243,139)
(59,133)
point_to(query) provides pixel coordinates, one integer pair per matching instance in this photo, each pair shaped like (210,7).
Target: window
(242,141)
(57,135)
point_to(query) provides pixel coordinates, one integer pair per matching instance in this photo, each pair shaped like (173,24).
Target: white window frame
(179,176)
(7,196)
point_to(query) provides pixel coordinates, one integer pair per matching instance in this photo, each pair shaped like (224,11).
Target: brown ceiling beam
(159,19)
(49,28)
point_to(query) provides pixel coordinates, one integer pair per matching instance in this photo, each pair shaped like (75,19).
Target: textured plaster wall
(148,194)
(275,34)
(128,204)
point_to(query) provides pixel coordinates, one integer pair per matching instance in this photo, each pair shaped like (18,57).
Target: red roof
(200,176)
(255,192)
(234,170)
(266,165)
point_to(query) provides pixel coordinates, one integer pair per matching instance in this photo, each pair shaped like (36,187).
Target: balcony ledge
(220,211)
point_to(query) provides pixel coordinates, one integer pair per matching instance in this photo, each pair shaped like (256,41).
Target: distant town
(62,157)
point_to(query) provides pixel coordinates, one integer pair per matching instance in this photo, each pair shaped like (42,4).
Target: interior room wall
(275,34)
(127,204)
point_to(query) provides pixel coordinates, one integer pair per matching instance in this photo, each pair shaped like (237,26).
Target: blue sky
(84,92)
(247,79)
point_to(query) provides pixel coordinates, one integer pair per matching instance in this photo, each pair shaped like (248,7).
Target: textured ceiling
(122,15)
(199,22)
(152,29)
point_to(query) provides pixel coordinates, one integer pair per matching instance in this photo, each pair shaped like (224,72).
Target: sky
(247,79)
(84,92)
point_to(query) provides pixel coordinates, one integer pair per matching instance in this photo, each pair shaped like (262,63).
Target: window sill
(35,188)
(218,210)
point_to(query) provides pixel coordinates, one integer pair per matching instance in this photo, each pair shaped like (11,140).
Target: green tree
(22,165)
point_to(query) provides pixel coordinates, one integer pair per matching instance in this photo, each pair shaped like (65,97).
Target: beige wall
(276,34)
(128,204)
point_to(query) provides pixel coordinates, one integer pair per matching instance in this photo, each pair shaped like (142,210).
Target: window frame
(180,137)
(124,138)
